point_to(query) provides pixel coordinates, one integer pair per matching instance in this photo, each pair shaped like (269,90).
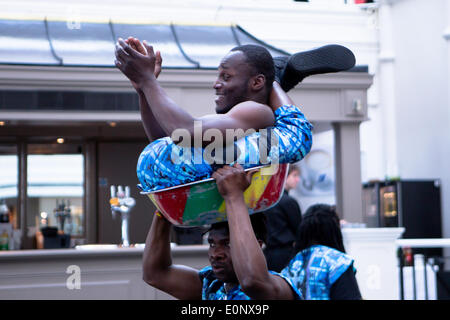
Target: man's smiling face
(232,84)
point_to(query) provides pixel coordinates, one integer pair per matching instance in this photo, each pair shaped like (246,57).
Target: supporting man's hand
(233,180)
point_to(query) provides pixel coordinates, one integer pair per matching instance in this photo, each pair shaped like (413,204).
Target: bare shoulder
(254,112)
(245,115)
(251,106)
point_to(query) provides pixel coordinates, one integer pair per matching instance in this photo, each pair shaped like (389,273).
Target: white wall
(423,129)
(422,57)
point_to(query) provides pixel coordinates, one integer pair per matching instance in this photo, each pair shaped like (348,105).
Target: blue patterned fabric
(163,164)
(214,289)
(324,265)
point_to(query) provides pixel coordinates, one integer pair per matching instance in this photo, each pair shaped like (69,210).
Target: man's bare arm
(246,115)
(140,69)
(180,281)
(278,97)
(248,259)
(151,126)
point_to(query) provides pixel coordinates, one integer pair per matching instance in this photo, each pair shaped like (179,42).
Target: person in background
(283,221)
(322,270)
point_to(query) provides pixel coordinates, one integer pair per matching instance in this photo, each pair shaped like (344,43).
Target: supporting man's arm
(180,281)
(248,259)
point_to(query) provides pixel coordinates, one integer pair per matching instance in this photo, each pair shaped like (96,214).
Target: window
(9,178)
(42,185)
(55,192)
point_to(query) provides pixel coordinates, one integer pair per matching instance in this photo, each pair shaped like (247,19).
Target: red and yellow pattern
(200,203)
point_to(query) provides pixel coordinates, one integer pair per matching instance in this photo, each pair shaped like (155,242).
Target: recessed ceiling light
(60,140)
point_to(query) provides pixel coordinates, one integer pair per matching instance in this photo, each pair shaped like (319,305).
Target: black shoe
(280,65)
(326,59)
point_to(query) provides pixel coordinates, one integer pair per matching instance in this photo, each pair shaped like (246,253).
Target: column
(348,171)
(376,262)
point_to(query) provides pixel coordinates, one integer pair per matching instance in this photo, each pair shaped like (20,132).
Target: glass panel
(206,45)
(9,178)
(388,199)
(83,43)
(246,38)
(160,37)
(24,42)
(317,171)
(370,205)
(55,193)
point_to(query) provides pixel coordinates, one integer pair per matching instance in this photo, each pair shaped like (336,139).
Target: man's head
(320,225)
(219,246)
(293,177)
(246,73)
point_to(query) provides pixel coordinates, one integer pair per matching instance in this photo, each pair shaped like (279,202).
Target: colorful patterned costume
(214,289)
(324,265)
(163,164)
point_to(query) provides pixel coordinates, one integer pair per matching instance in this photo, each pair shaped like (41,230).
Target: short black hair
(293,167)
(258,221)
(260,60)
(320,225)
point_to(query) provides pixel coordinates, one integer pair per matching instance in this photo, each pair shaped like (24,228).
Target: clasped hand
(138,62)
(232,181)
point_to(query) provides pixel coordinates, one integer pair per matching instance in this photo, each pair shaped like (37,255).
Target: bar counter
(87,272)
(108,272)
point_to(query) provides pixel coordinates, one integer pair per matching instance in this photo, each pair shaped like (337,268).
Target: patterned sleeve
(338,263)
(206,277)
(204,273)
(297,294)
(294,134)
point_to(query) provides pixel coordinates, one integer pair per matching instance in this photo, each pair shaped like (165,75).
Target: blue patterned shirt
(213,289)
(164,164)
(324,265)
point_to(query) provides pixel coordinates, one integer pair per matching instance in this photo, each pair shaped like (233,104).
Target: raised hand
(137,45)
(136,66)
(158,63)
(232,180)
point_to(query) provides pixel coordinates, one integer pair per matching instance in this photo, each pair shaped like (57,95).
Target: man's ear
(258,82)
